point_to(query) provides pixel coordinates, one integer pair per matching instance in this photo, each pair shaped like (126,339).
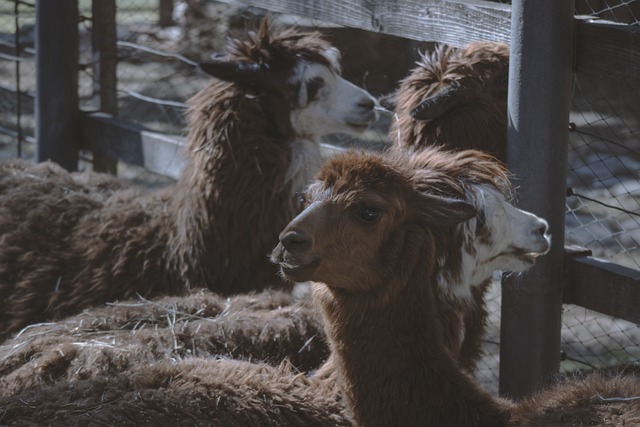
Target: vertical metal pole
(105,60)
(56,109)
(540,79)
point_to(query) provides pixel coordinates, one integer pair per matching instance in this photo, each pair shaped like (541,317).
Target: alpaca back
(198,392)
(595,399)
(74,240)
(269,326)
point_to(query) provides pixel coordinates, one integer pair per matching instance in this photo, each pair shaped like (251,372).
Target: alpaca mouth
(359,127)
(363,122)
(527,256)
(292,268)
(358,124)
(298,272)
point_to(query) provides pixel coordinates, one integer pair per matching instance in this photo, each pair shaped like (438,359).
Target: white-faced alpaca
(457,97)
(253,142)
(394,245)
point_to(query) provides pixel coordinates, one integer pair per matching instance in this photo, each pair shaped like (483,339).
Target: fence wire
(157,40)
(620,11)
(603,203)
(17,78)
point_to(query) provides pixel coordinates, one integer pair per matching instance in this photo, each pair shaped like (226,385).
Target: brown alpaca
(269,326)
(386,239)
(195,392)
(373,230)
(253,142)
(457,97)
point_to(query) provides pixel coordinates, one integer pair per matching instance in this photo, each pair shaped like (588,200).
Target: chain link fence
(159,40)
(17,78)
(603,203)
(603,208)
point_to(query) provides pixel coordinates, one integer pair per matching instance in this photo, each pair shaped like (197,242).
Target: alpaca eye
(301,198)
(369,215)
(313,87)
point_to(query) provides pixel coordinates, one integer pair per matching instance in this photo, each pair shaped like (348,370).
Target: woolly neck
(393,366)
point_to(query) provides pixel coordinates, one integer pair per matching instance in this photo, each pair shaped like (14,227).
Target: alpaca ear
(440,212)
(439,104)
(247,73)
(264,32)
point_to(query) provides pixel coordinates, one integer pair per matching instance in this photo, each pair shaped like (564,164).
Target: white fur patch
(306,159)
(513,232)
(338,106)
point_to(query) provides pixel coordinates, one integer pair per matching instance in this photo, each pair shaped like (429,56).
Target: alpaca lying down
(194,392)
(269,326)
(385,329)
(253,142)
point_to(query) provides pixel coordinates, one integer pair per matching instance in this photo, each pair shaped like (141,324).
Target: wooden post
(540,79)
(105,60)
(165,13)
(56,110)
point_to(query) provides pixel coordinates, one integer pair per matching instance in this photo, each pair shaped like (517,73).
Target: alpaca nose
(367,104)
(295,241)
(542,229)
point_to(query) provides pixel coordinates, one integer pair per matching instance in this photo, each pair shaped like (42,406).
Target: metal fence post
(56,109)
(540,79)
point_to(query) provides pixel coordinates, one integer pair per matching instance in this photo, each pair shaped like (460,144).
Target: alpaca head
(364,211)
(456,97)
(299,74)
(499,237)
(358,208)
(505,237)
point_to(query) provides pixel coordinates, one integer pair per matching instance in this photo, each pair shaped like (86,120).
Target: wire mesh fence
(603,204)
(620,11)
(159,41)
(603,208)
(17,78)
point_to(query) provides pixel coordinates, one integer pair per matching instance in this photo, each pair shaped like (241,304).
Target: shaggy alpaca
(377,236)
(387,239)
(253,142)
(457,97)
(196,392)
(269,326)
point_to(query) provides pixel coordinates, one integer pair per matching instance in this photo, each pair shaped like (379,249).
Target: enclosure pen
(110,84)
